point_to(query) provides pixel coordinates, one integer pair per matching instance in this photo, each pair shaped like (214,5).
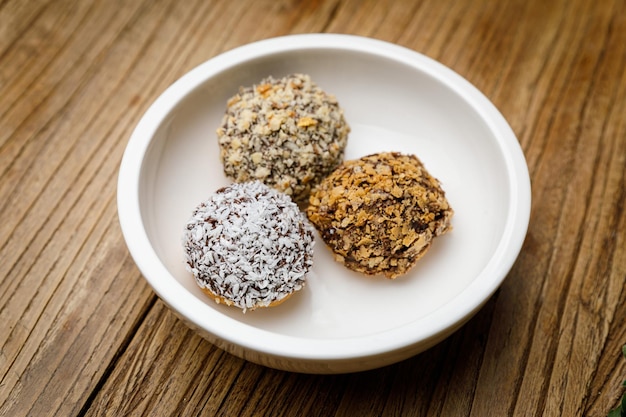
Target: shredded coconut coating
(379,214)
(249,245)
(287,133)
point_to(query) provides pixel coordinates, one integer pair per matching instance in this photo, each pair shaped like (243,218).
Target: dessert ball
(379,214)
(248,246)
(287,133)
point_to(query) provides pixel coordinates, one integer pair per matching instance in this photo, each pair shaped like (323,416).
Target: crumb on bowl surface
(380,213)
(286,132)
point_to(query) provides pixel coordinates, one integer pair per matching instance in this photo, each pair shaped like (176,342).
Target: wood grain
(81,333)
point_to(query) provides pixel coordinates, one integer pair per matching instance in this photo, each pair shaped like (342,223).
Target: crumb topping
(287,133)
(249,245)
(379,214)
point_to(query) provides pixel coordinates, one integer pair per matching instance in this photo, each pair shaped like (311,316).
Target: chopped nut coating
(286,132)
(380,213)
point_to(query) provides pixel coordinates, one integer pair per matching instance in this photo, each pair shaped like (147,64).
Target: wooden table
(81,333)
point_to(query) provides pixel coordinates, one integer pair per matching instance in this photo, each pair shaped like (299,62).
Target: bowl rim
(423,331)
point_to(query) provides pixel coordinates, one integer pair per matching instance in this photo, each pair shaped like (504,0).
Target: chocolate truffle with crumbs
(379,214)
(286,132)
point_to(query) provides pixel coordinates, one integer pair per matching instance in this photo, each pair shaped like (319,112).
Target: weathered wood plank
(81,333)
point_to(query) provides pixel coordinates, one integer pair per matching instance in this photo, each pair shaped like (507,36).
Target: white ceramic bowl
(395,100)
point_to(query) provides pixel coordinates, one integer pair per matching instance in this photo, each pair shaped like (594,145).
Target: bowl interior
(390,106)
